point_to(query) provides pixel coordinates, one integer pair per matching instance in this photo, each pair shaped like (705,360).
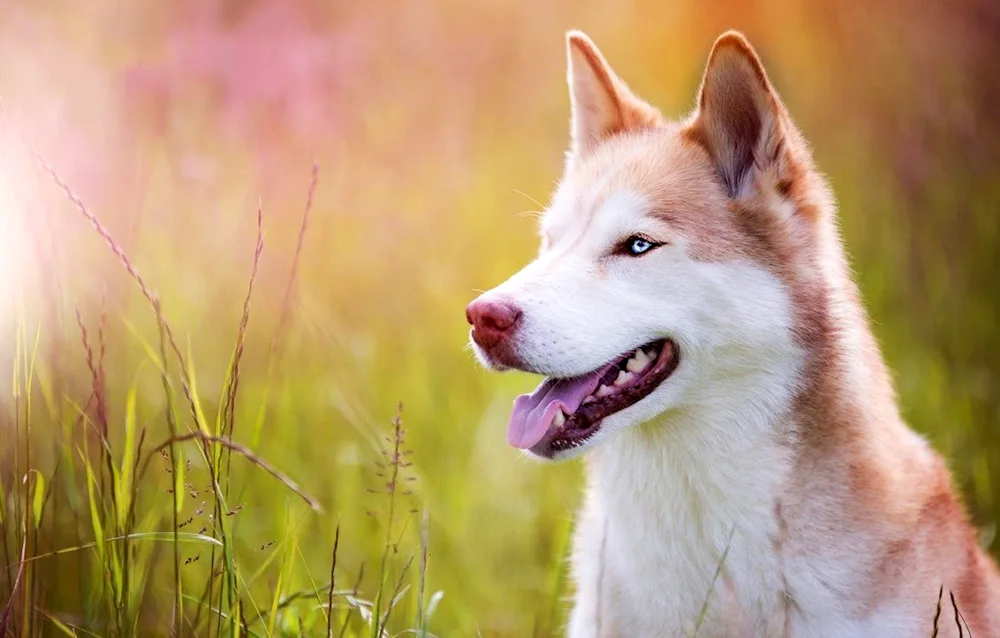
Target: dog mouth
(564,413)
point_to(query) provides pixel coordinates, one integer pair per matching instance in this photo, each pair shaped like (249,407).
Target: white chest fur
(664,510)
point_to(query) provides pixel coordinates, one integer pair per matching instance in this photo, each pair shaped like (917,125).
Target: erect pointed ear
(740,116)
(602,104)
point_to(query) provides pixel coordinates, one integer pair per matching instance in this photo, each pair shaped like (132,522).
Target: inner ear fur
(740,119)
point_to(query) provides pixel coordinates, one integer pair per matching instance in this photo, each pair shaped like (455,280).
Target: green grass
(204,350)
(116,566)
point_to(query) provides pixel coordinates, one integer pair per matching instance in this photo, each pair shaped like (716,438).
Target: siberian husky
(705,347)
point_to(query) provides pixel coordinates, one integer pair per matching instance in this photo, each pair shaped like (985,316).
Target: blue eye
(638,245)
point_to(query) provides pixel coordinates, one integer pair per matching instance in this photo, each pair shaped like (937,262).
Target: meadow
(236,244)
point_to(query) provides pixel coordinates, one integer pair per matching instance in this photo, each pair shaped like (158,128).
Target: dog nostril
(502,318)
(492,316)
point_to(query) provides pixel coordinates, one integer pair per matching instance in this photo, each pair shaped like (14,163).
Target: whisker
(530,198)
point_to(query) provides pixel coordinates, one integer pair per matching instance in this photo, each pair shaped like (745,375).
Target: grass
(124,549)
(205,340)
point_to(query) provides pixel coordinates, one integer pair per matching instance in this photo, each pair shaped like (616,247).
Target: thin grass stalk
(937,612)
(958,621)
(286,303)
(96,374)
(27,585)
(102,350)
(223,566)
(97,393)
(31,586)
(130,529)
(48,494)
(131,270)
(424,556)
(963,620)
(206,594)
(711,587)
(9,607)
(397,590)
(178,607)
(6,545)
(8,538)
(333,569)
(74,428)
(222,454)
(287,547)
(21,540)
(295,596)
(105,556)
(274,351)
(395,463)
(228,588)
(229,422)
(27,588)
(354,592)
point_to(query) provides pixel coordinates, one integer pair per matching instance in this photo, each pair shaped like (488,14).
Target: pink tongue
(533,413)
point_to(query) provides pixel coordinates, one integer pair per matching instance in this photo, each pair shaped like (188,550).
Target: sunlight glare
(12,250)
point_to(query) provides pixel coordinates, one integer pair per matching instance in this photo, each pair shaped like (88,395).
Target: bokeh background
(437,127)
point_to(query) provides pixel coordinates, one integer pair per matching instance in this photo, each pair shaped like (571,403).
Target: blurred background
(436,126)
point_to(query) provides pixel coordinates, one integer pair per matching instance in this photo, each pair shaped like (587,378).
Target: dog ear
(740,116)
(602,105)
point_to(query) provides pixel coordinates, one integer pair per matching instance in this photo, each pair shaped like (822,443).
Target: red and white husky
(706,348)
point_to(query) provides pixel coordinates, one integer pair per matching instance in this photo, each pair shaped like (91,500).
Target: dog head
(661,278)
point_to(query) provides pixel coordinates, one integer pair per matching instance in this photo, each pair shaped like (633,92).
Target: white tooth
(623,378)
(637,363)
(559,420)
(589,399)
(603,391)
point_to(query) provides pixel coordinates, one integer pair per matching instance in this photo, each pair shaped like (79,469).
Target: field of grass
(236,244)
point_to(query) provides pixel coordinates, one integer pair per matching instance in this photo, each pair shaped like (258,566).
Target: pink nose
(491,321)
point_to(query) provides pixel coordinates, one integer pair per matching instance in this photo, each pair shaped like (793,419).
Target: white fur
(674,491)
(698,459)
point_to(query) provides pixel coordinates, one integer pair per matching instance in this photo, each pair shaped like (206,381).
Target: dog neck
(711,475)
(706,464)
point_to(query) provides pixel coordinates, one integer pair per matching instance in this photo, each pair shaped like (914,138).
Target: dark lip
(586,421)
(501,357)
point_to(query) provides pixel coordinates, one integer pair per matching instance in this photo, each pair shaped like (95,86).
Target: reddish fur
(622,111)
